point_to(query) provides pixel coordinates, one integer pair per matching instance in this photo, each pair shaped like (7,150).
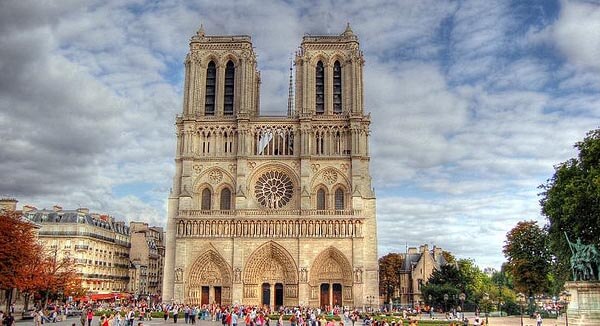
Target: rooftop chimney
(8,204)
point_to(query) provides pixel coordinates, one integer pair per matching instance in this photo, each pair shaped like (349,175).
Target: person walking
(90,317)
(175,311)
(9,320)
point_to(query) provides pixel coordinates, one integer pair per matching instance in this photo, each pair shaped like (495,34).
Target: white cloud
(577,32)
(467,116)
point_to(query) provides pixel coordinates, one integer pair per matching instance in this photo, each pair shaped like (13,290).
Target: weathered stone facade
(272,210)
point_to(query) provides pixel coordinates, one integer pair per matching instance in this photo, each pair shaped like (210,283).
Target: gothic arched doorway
(271,277)
(209,280)
(331,279)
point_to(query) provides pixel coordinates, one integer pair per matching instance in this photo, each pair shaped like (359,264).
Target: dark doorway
(278,295)
(204,299)
(218,295)
(324,295)
(337,294)
(266,294)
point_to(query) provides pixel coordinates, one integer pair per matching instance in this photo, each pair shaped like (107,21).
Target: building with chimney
(146,254)
(98,244)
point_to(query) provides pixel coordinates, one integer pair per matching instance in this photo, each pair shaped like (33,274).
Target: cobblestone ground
(493,321)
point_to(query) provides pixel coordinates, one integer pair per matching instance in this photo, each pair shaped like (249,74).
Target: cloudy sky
(472,103)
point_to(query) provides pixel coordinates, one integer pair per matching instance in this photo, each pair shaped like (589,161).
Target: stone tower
(274,210)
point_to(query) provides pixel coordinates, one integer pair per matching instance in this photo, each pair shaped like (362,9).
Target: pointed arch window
(320,88)
(339,199)
(206,199)
(211,83)
(229,84)
(337,88)
(225,199)
(320,199)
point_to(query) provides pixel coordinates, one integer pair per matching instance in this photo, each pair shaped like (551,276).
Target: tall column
(186,87)
(328,88)
(220,88)
(169,267)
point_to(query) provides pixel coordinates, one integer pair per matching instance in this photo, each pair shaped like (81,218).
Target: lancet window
(225,199)
(339,199)
(278,140)
(337,88)
(321,199)
(228,142)
(319,88)
(206,199)
(206,144)
(211,83)
(229,87)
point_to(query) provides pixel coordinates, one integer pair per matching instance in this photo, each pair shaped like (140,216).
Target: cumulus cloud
(471,105)
(577,32)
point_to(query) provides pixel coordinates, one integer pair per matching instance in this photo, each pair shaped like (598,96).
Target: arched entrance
(271,277)
(331,277)
(209,280)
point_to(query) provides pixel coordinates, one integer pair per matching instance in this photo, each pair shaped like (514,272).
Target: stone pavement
(493,321)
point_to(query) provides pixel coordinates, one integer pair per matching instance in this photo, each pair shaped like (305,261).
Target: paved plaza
(493,321)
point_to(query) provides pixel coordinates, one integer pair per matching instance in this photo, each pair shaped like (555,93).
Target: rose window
(274,189)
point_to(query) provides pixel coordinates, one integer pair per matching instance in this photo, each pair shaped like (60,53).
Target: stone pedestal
(584,308)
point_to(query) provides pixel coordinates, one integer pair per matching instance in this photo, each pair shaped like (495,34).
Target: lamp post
(565,298)
(521,300)
(370,299)
(446,302)
(430,306)
(486,298)
(462,298)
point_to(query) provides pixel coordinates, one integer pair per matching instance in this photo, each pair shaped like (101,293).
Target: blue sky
(472,103)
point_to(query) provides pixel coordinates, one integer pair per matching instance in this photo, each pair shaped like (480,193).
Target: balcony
(82,247)
(262,212)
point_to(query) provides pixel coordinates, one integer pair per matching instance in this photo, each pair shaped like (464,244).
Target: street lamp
(370,299)
(521,300)
(430,307)
(565,298)
(445,302)
(486,298)
(462,298)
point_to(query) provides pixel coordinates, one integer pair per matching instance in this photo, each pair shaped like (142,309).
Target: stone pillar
(169,269)
(584,308)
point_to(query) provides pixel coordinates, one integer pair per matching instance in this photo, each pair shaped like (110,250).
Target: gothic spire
(201,32)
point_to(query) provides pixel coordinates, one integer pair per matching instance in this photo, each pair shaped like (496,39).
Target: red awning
(102,296)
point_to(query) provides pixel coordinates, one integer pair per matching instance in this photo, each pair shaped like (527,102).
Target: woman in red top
(90,316)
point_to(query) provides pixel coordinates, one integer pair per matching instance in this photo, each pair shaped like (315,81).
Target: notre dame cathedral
(272,210)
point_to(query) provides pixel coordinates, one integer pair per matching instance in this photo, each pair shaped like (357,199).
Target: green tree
(446,281)
(390,266)
(571,202)
(528,257)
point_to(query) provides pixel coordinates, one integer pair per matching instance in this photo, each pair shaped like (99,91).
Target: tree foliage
(449,281)
(528,257)
(29,267)
(571,201)
(18,248)
(390,266)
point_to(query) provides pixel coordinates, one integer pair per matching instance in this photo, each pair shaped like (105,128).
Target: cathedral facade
(272,210)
